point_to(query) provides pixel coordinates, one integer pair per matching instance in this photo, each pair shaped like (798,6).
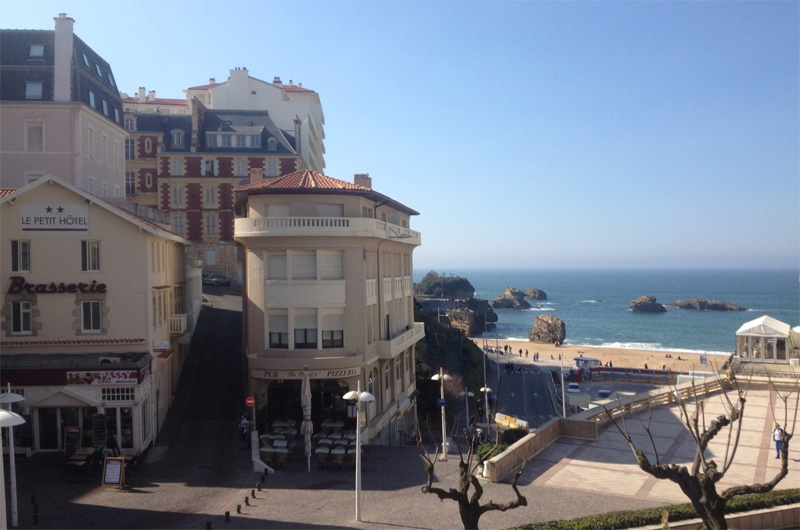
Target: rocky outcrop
(474,319)
(535,294)
(511,299)
(702,304)
(549,329)
(647,304)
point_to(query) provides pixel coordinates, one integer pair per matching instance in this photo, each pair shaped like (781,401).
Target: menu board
(114,471)
(99,431)
(72,439)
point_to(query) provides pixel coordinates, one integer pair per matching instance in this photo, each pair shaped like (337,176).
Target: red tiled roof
(157,101)
(295,88)
(6,191)
(304,179)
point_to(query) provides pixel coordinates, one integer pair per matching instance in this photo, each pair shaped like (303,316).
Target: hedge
(677,512)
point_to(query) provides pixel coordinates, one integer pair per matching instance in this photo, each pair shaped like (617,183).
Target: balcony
(389,349)
(323,226)
(177,324)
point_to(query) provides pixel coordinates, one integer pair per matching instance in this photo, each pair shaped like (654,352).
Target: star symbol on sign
(49,209)
(60,209)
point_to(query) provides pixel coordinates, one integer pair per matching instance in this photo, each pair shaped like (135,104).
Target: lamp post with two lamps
(467,394)
(442,377)
(359,397)
(9,419)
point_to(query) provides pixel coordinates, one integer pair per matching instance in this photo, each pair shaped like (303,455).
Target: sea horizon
(595,303)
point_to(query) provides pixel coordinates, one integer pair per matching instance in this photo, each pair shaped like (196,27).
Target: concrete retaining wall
(769,519)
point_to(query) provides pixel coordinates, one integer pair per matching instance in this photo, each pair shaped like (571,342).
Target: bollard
(258,486)
(264,477)
(227,517)
(238,508)
(252,494)
(247,501)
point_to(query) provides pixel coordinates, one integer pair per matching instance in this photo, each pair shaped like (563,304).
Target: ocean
(595,304)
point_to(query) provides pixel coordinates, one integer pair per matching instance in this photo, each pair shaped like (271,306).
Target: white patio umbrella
(307,427)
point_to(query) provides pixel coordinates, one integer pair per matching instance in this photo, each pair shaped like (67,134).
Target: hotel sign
(54,218)
(312,374)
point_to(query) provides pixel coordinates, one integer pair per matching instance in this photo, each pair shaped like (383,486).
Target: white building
(96,315)
(328,286)
(291,107)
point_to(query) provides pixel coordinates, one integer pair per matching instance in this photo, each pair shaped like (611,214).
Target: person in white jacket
(777,435)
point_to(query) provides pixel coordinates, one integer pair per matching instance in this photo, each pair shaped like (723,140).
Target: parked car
(602,394)
(573,388)
(215,279)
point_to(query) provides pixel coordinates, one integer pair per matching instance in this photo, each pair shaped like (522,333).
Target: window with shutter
(331,264)
(304,265)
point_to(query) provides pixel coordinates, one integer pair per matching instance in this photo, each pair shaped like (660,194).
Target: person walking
(777,435)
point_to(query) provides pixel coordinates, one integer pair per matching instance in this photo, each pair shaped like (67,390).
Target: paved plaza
(569,479)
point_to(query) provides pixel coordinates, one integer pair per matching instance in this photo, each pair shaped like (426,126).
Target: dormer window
(37,51)
(85,60)
(177,138)
(91,99)
(272,144)
(33,90)
(99,72)
(129,124)
(110,79)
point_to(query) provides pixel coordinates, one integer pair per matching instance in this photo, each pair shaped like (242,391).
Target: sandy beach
(619,357)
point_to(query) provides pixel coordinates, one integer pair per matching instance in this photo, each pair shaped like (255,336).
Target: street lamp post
(486,391)
(10,421)
(563,396)
(442,377)
(360,397)
(467,394)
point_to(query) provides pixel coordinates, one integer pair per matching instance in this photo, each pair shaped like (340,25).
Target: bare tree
(699,483)
(469,504)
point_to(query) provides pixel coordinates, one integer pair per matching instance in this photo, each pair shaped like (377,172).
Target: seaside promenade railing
(585,425)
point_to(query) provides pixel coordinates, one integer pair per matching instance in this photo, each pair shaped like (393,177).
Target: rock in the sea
(535,294)
(549,329)
(647,304)
(511,299)
(706,305)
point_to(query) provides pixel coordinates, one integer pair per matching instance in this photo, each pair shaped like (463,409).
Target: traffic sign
(250,401)
(441,402)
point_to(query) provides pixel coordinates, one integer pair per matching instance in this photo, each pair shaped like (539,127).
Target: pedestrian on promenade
(777,435)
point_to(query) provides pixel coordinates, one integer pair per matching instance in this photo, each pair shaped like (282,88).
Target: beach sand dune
(619,357)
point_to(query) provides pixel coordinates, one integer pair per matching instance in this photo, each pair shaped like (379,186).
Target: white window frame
(92,314)
(210,227)
(210,195)
(21,318)
(20,256)
(272,168)
(177,195)
(37,145)
(178,225)
(176,167)
(90,256)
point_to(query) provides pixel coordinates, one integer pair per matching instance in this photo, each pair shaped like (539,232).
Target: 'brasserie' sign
(54,218)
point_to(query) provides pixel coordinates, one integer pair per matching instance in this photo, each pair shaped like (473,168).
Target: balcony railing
(388,349)
(323,226)
(177,324)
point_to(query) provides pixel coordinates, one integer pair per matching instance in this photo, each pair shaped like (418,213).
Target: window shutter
(304,265)
(331,264)
(276,266)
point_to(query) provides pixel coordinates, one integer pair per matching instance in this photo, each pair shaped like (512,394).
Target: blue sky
(527,134)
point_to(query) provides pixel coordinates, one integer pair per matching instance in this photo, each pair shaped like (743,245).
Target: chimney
(297,131)
(212,80)
(62,71)
(141,94)
(256,175)
(276,80)
(152,96)
(362,179)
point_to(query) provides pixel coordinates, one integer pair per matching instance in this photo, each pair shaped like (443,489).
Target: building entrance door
(48,428)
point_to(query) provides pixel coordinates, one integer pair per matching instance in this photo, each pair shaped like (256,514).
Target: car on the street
(602,394)
(215,279)
(573,388)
